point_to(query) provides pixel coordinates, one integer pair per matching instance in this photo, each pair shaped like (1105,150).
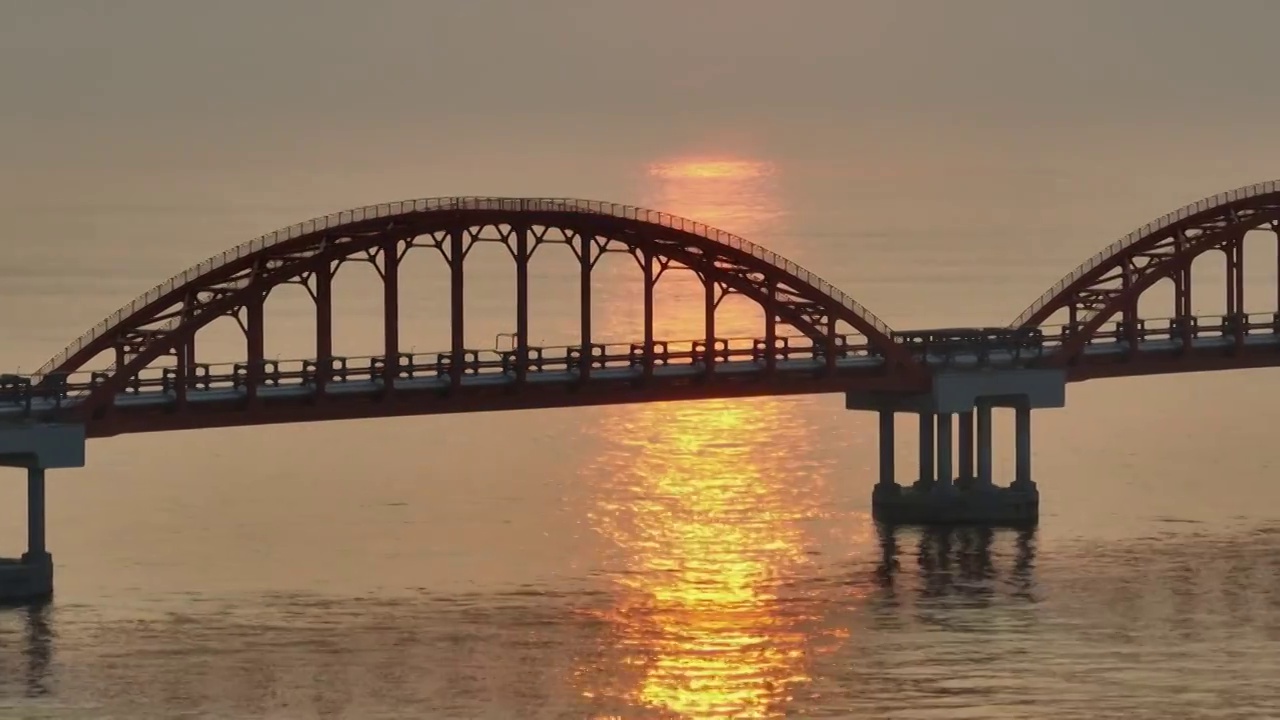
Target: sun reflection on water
(704,509)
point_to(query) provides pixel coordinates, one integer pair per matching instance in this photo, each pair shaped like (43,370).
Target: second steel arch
(1109,284)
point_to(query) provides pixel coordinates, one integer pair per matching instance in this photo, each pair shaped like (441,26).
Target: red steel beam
(646,265)
(771,329)
(522,302)
(391,311)
(324,326)
(457,311)
(256,331)
(586,260)
(709,307)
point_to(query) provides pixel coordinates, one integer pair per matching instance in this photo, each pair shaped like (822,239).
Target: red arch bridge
(139,370)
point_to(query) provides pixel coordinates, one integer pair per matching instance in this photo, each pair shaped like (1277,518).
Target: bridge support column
(965,473)
(888,481)
(944,479)
(36,448)
(30,579)
(939,496)
(1022,448)
(35,517)
(926,451)
(984,445)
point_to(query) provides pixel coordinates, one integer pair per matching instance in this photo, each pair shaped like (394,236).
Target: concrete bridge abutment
(954,481)
(36,448)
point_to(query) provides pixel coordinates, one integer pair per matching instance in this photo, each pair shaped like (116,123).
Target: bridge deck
(229,389)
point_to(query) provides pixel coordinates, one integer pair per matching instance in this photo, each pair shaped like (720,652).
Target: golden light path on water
(699,504)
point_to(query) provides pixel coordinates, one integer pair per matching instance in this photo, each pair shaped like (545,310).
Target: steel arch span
(151,341)
(1099,300)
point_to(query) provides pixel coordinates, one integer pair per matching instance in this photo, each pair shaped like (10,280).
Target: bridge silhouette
(138,370)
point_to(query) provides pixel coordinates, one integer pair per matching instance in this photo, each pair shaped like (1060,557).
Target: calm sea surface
(698,560)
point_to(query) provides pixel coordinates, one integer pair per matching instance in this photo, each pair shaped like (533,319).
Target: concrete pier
(968,494)
(35,448)
(998,507)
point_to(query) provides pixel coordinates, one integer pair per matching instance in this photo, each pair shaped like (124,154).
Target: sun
(711,169)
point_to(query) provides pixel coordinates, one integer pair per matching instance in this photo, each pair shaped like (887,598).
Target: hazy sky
(123,96)
(168,60)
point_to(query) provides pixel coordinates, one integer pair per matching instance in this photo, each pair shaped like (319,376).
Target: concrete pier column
(984,444)
(887,478)
(1022,447)
(36,448)
(966,446)
(35,515)
(926,448)
(945,476)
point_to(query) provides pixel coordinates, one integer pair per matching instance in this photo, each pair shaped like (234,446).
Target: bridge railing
(338,220)
(567,359)
(1164,221)
(1172,329)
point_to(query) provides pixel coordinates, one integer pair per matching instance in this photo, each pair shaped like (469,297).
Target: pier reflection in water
(957,560)
(26,637)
